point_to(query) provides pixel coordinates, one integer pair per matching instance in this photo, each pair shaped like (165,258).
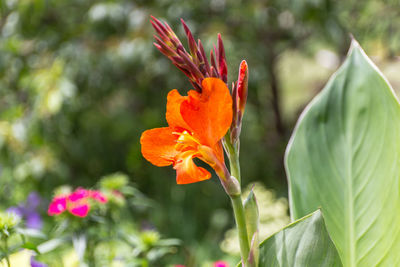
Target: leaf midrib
(348,132)
(350,209)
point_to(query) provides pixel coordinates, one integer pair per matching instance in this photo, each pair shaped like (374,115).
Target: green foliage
(344,158)
(273,216)
(304,242)
(115,181)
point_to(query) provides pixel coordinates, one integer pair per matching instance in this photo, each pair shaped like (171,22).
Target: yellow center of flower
(190,147)
(186,141)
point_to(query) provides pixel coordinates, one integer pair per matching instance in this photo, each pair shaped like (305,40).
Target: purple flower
(33,200)
(16,210)
(33,220)
(35,263)
(28,211)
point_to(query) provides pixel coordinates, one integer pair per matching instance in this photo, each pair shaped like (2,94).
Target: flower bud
(242,86)
(239,97)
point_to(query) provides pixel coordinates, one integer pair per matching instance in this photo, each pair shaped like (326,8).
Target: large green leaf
(344,156)
(304,243)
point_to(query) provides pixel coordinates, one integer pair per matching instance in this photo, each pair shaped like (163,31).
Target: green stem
(241,226)
(235,166)
(232,150)
(6,251)
(233,156)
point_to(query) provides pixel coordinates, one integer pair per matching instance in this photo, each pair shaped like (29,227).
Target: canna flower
(197,123)
(77,203)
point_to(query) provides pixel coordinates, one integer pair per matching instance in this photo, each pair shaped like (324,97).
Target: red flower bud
(239,96)
(242,86)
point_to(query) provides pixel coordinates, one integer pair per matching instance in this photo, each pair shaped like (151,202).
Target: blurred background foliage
(80,81)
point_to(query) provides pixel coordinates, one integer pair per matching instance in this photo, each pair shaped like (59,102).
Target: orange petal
(208,114)
(187,172)
(173,115)
(158,146)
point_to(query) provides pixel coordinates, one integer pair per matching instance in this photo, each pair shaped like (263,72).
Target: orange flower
(197,123)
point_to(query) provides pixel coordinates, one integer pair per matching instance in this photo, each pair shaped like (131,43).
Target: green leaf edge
(319,211)
(297,221)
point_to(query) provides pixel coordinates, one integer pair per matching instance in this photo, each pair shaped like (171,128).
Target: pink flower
(58,205)
(78,194)
(179,265)
(80,210)
(221,264)
(77,203)
(98,196)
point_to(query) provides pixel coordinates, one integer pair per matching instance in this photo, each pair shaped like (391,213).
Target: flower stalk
(238,209)
(158,145)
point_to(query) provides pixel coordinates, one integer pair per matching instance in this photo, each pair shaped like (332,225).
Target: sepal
(254,254)
(251,214)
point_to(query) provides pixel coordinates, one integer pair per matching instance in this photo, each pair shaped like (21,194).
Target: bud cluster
(194,64)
